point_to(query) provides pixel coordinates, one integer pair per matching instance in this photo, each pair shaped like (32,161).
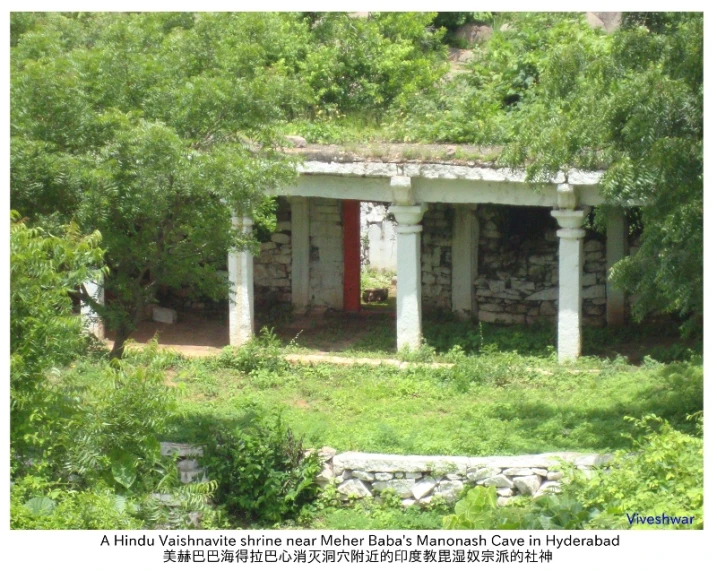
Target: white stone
(402,488)
(504,492)
(422,488)
(499,481)
(518,472)
(527,485)
(296,141)
(567,197)
(354,489)
(188,464)
(164,315)
(325,476)
(413,475)
(552,476)
(188,476)
(91,320)
(382,476)
(449,490)
(482,473)
(584,177)
(180,449)
(389,463)
(363,476)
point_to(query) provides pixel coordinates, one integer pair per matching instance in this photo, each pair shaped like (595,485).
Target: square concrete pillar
(616,250)
(464,260)
(241,294)
(300,249)
(408,286)
(570,276)
(91,320)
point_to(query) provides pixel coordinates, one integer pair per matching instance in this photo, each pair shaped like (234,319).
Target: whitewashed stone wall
(326,257)
(436,243)
(420,479)
(378,237)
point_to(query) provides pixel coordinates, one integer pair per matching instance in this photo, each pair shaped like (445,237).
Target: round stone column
(408,287)
(570,272)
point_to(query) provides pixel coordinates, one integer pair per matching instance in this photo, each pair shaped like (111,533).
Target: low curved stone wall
(419,479)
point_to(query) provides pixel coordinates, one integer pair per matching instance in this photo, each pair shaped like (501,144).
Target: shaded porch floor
(372,332)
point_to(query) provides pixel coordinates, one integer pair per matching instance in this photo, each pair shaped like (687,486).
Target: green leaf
(40,506)
(124,470)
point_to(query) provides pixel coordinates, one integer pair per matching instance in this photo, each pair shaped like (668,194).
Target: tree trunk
(121,335)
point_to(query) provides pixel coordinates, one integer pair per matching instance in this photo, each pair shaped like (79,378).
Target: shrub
(263,471)
(263,352)
(664,474)
(112,427)
(36,504)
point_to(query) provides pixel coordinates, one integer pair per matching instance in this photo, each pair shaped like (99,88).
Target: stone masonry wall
(518,270)
(422,478)
(436,241)
(272,267)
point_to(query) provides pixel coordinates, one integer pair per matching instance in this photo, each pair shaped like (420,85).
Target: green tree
(639,110)
(44,333)
(152,128)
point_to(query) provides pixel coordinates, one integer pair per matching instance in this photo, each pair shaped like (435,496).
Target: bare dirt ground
(202,335)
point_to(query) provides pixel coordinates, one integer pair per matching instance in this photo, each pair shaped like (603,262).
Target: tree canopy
(152,128)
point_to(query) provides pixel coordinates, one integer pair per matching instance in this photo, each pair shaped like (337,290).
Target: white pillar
(241,294)
(92,322)
(408,287)
(464,260)
(570,275)
(300,248)
(616,250)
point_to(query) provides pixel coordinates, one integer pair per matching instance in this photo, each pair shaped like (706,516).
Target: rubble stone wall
(436,243)
(422,478)
(272,267)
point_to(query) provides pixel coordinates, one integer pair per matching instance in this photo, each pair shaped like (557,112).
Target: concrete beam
(456,191)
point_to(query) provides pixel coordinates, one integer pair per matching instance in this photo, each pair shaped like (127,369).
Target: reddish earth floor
(198,335)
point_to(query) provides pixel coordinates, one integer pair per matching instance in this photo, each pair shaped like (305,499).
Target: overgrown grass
(497,402)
